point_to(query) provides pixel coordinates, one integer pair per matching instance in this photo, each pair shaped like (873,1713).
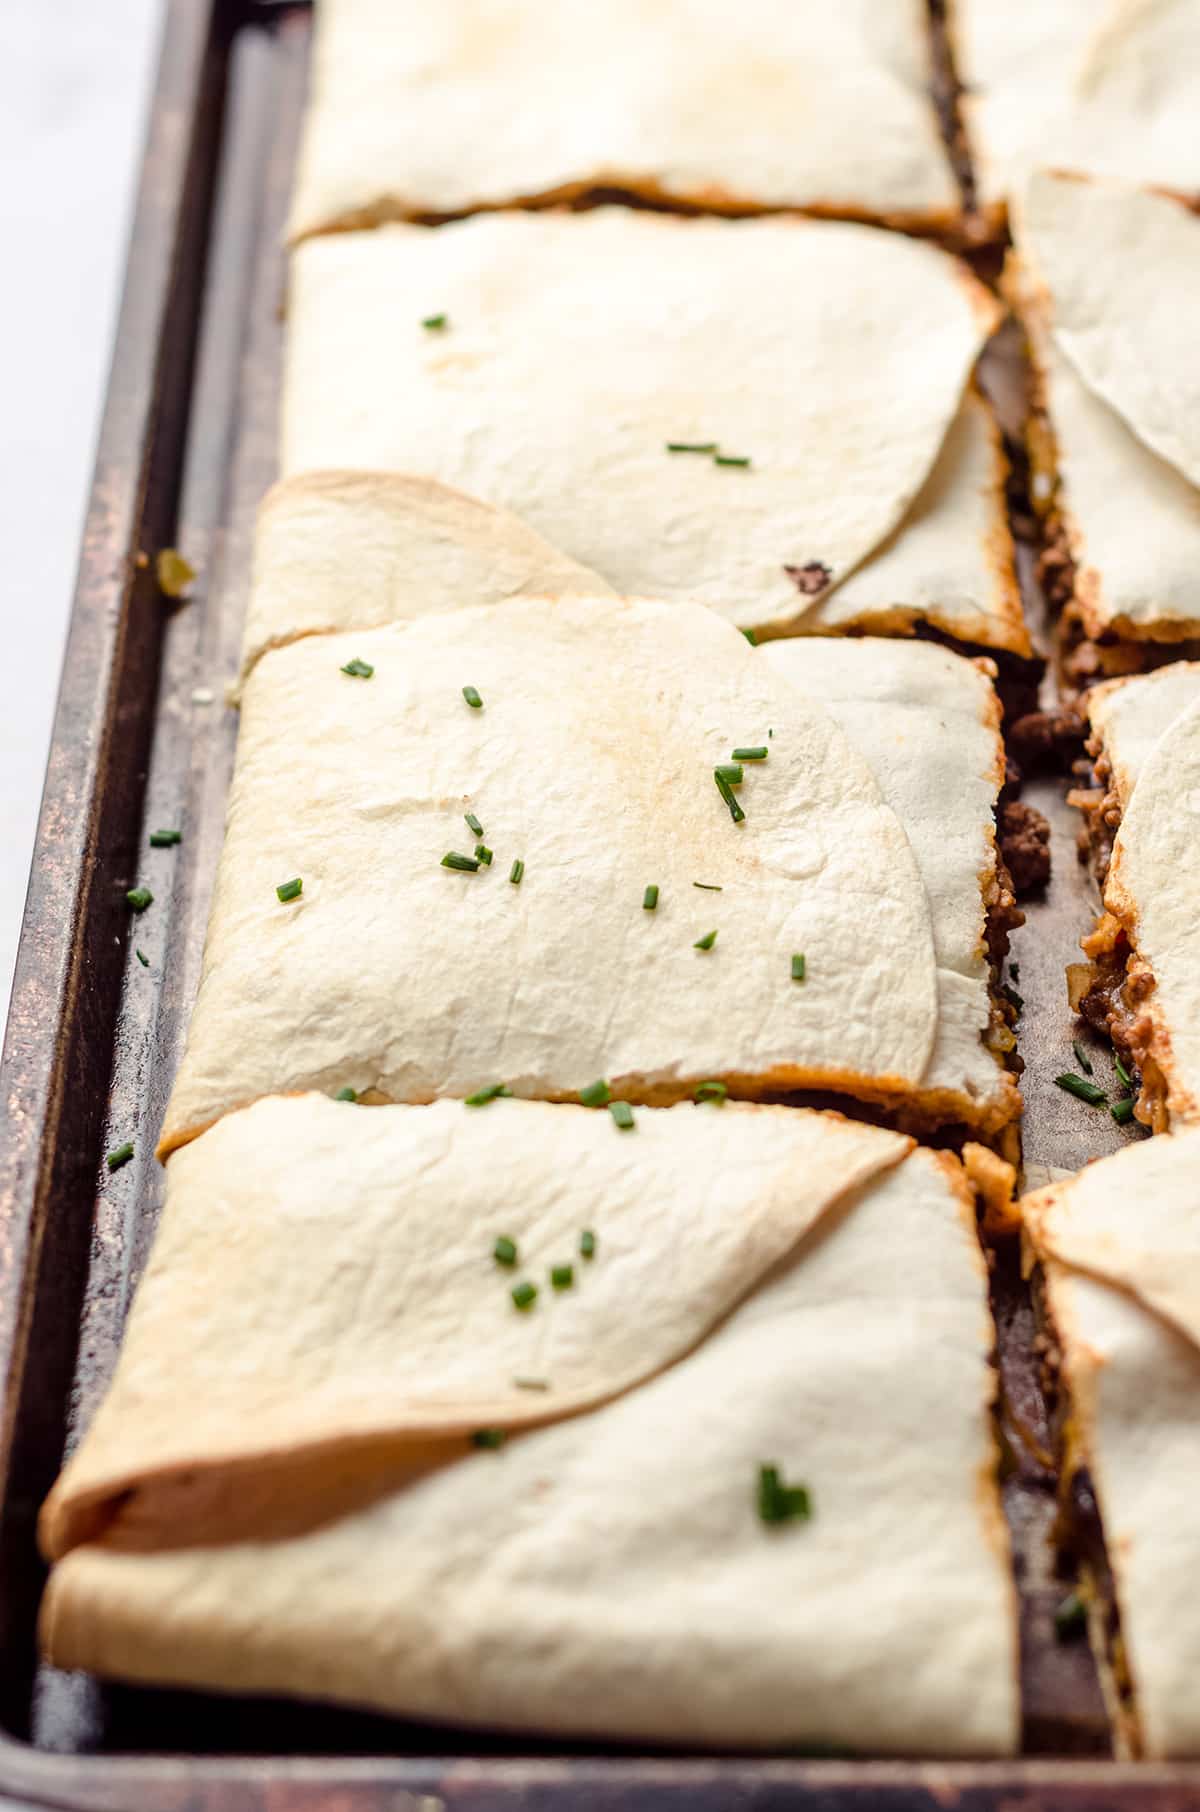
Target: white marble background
(75,79)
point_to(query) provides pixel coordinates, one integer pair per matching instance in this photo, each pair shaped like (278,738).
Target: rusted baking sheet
(143,738)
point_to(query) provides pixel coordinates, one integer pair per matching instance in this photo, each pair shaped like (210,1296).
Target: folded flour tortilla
(769,1286)
(1107,86)
(591,761)
(1115,444)
(1120,1245)
(580,347)
(928,724)
(1144,979)
(486,103)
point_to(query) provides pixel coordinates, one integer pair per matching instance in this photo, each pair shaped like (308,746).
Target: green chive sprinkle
(165,839)
(798,968)
(1070,1619)
(650,899)
(358,669)
(723,787)
(524,1295)
(489,1437)
(730,459)
(483,854)
(346,1094)
(289,890)
(587,1243)
(505,1250)
(472,823)
(711,1091)
(1081,1057)
(1014,970)
(756,754)
(780,1503)
(1086,1091)
(516,872)
(1122,1072)
(142,959)
(1015,1000)
(484,1095)
(472,697)
(691,446)
(1122,1111)
(706,942)
(622,1113)
(120,1156)
(465,865)
(141,897)
(707,886)
(730,772)
(751,637)
(435,323)
(531,1384)
(596,1094)
(562,1276)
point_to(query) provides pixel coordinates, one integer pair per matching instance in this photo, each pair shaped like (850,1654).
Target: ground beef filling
(1101,809)
(1046,742)
(1111,991)
(1024,838)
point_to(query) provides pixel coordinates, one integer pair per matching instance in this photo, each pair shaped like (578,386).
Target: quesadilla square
(747,414)
(1114,445)
(435,878)
(1120,1251)
(1111,87)
(490,103)
(1141,983)
(732,1483)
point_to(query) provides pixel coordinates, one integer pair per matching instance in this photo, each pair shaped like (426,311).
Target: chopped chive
(691,446)
(472,823)
(1086,1091)
(622,1113)
(142,958)
(706,942)
(289,890)
(465,865)
(1070,1618)
(1015,1000)
(1122,1072)
(482,1096)
(165,839)
(505,1250)
(707,886)
(483,854)
(489,1437)
(1014,970)
(139,898)
(711,1091)
(120,1156)
(531,1384)
(346,1094)
(650,899)
(730,772)
(562,1276)
(435,323)
(798,968)
(472,697)
(596,1094)
(1122,1111)
(759,753)
(1081,1057)
(358,669)
(751,637)
(587,1243)
(723,787)
(730,459)
(524,1295)
(516,872)
(780,1503)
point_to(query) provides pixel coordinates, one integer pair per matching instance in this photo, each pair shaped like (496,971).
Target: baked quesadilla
(486,103)
(543,843)
(1120,1250)
(729,1477)
(1108,86)
(746,414)
(1114,441)
(1142,815)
